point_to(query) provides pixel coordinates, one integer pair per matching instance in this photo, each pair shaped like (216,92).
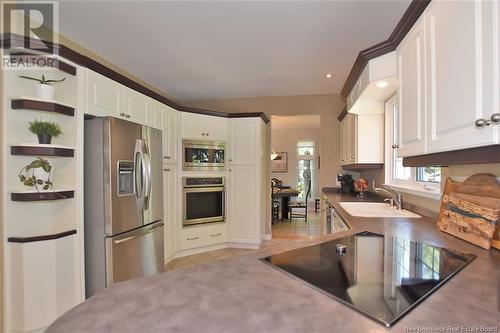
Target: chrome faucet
(395,196)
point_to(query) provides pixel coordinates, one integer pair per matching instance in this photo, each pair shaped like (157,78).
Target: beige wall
(327,106)
(457,172)
(285,140)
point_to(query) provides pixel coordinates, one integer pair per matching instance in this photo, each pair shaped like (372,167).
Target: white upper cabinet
(170,127)
(199,126)
(411,90)
(448,78)
(245,141)
(362,139)
(460,70)
(154,114)
(135,106)
(104,97)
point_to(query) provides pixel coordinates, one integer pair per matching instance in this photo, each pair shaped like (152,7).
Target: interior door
(136,253)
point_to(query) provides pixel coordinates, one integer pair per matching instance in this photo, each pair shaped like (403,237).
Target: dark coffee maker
(346,183)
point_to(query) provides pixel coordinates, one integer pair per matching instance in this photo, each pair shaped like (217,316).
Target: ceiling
(296,122)
(209,50)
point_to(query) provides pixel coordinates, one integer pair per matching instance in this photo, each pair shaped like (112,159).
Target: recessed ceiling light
(382,84)
(328,76)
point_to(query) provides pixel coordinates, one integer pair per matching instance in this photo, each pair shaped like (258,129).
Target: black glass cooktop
(379,276)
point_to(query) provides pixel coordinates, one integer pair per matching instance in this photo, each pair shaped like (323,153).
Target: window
(422,180)
(306,173)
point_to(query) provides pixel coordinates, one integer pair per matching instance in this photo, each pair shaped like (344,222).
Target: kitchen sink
(376,209)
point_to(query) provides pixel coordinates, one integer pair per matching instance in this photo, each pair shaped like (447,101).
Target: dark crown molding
(404,25)
(17,42)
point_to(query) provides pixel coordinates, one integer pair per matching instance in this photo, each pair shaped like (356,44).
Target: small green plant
(43,80)
(28,178)
(40,127)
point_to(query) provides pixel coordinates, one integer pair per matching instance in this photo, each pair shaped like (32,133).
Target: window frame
(426,189)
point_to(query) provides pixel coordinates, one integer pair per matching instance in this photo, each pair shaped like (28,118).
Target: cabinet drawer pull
(193,238)
(166,170)
(395,146)
(481,122)
(495,118)
(216,235)
(166,157)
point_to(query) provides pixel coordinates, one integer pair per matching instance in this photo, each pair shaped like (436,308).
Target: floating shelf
(41,238)
(42,105)
(33,195)
(41,150)
(50,61)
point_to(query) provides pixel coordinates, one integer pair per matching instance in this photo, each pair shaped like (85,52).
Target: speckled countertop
(242,294)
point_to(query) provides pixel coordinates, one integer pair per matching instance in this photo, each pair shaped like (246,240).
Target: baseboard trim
(198,250)
(244,246)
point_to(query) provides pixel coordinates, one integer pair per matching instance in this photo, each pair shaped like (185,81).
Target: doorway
(295,146)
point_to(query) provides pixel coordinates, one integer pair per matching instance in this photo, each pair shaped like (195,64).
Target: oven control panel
(202,181)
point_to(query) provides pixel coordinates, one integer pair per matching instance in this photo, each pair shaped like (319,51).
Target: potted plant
(37,174)
(43,89)
(45,130)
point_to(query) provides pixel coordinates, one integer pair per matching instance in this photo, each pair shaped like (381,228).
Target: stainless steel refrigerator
(123,202)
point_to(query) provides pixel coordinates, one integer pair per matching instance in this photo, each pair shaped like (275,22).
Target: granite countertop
(245,295)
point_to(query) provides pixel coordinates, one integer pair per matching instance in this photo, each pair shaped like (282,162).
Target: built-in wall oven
(203,200)
(203,155)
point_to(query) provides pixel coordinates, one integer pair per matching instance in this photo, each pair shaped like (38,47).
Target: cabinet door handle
(166,157)
(122,114)
(216,235)
(481,123)
(128,115)
(166,169)
(495,118)
(395,146)
(193,238)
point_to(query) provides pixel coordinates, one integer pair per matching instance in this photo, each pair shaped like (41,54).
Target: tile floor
(284,233)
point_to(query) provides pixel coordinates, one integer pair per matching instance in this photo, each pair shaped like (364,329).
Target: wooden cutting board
(482,189)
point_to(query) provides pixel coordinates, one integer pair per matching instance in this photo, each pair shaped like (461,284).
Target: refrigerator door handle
(147,167)
(140,171)
(138,233)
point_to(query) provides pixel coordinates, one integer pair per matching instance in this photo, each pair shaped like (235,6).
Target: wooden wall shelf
(42,150)
(47,61)
(41,238)
(42,196)
(34,104)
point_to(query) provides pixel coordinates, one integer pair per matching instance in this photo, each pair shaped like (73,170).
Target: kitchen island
(243,294)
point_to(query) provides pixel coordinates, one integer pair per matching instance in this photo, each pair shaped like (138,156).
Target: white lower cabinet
(203,235)
(245,204)
(170,212)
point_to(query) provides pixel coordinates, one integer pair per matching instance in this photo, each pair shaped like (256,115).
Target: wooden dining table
(284,195)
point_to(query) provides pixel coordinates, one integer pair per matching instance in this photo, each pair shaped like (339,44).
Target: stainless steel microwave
(203,155)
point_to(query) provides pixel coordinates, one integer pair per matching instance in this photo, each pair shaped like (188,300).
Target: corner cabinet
(247,185)
(362,140)
(449,78)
